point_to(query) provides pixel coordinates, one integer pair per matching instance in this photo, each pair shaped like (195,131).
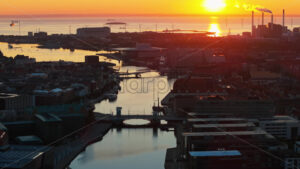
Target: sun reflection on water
(214,28)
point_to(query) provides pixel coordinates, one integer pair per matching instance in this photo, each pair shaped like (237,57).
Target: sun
(214,5)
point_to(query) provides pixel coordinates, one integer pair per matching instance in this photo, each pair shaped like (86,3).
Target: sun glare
(214,28)
(214,5)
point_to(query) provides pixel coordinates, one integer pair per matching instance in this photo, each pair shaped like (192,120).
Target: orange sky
(133,7)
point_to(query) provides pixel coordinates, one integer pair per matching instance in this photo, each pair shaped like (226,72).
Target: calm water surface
(63,25)
(127,149)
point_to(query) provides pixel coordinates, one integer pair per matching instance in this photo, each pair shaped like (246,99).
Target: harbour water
(128,148)
(222,25)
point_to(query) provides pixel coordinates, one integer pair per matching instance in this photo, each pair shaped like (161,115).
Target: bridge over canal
(154,119)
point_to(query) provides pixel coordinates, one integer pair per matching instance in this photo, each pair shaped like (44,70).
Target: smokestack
(272,19)
(253,27)
(262,18)
(283,17)
(252,19)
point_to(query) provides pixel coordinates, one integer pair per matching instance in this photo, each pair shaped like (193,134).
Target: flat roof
(215,153)
(11,157)
(31,138)
(223,125)
(279,119)
(214,119)
(207,114)
(233,133)
(48,117)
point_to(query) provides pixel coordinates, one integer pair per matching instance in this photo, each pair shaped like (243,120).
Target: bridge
(137,74)
(143,117)
(155,119)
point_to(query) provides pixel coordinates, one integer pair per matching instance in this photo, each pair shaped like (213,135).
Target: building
(284,127)
(15,102)
(40,35)
(72,122)
(49,127)
(141,51)
(206,95)
(22,59)
(20,128)
(30,34)
(92,59)
(12,105)
(28,140)
(292,163)
(264,77)
(23,157)
(224,142)
(96,32)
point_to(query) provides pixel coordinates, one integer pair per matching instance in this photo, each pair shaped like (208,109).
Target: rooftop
(233,133)
(46,117)
(214,119)
(223,125)
(34,140)
(214,153)
(20,156)
(280,119)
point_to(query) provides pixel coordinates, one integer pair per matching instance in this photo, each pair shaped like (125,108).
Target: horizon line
(135,15)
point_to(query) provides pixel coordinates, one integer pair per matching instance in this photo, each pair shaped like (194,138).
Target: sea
(221,25)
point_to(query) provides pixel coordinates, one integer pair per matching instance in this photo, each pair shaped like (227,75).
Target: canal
(131,148)
(127,148)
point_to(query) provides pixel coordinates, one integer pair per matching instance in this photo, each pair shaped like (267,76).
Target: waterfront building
(218,142)
(30,34)
(49,127)
(40,35)
(24,157)
(96,32)
(22,60)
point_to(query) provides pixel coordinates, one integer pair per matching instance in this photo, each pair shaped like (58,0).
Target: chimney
(262,18)
(272,19)
(253,27)
(283,17)
(252,19)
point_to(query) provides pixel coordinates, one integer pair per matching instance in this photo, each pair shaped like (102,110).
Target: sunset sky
(144,7)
